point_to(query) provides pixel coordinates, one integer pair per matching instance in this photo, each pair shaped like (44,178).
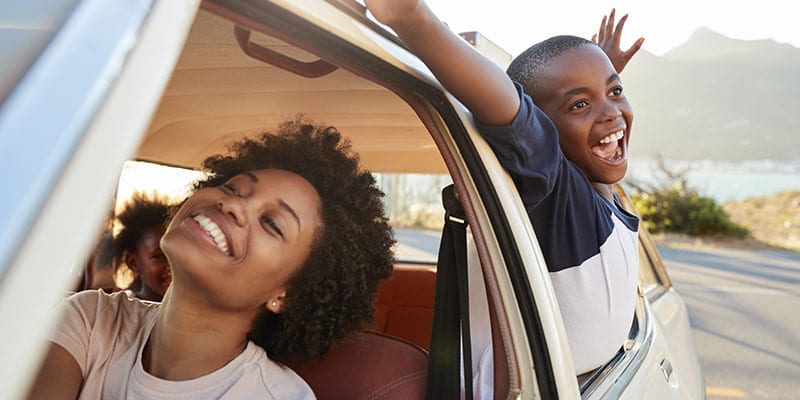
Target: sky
(665,24)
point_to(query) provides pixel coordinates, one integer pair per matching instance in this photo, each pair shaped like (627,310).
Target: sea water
(724,181)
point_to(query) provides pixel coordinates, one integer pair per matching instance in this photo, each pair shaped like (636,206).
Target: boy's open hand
(608,39)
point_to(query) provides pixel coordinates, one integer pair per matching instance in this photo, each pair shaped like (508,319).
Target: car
(95,84)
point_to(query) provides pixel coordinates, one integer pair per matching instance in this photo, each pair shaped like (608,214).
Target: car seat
(367,365)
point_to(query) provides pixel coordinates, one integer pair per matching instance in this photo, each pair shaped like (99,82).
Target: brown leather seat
(404,305)
(368,366)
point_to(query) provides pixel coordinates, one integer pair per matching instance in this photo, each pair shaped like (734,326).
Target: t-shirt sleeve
(78,313)
(528,148)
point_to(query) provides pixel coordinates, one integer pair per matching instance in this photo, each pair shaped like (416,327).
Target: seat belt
(450,334)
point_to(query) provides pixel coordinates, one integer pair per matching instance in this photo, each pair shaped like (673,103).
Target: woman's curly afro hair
(332,293)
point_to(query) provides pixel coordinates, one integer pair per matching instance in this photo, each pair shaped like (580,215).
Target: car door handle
(666,369)
(314,69)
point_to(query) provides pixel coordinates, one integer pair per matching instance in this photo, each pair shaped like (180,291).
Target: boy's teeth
(214,231)
(612,137)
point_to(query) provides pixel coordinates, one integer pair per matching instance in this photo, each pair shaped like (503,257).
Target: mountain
(716,98)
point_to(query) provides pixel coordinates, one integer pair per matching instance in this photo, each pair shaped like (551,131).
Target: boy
(564,154)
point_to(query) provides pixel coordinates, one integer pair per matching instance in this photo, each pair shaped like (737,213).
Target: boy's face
(582,94)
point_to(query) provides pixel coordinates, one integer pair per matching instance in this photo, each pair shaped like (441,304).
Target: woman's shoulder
(281,381)
(99,305)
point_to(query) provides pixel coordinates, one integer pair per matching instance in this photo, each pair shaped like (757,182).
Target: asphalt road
(744,307)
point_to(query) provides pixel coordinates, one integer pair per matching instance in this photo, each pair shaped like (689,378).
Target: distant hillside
(774,219)
(717,98)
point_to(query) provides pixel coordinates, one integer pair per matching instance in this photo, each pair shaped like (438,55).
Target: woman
(275,255)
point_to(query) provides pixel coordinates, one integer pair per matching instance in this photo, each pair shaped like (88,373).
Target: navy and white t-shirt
(589,243)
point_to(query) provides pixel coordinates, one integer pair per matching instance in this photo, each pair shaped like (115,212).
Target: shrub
(671,205)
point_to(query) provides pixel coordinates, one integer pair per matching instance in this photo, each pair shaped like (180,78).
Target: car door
(75,103)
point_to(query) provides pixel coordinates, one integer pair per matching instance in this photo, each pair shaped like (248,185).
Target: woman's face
(236,245)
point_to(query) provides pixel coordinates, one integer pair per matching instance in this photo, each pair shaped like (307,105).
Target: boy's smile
(582,94)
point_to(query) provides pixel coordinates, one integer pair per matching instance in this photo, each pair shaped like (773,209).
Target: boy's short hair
(526,68)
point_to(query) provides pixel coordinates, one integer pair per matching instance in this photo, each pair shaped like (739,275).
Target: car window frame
(65,198)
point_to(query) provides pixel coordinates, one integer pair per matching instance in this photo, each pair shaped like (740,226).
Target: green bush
(672,206)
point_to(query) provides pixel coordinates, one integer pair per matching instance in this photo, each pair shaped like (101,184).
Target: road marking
(735,289)
(725,392)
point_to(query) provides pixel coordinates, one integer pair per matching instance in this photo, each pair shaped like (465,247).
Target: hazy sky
(665,24)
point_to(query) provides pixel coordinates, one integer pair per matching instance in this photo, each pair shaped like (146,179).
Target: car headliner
(218,94)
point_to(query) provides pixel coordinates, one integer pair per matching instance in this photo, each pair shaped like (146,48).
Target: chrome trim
(624,367)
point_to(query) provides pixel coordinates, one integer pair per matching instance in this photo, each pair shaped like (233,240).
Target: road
(744,308)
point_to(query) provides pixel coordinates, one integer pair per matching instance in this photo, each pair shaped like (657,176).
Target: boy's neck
(605,190)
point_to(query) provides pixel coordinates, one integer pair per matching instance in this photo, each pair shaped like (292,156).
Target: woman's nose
(233,207)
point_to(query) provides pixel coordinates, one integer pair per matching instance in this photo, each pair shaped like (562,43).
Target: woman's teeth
(214,232)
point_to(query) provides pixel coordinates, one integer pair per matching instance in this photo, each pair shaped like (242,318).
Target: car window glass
(25,28)
(414,208)
(412,202)
(171,182)
(648,278)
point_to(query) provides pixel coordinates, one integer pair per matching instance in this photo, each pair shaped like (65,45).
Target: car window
(25,29)
(414,208)
(653,279)
(172,182)
(412,202)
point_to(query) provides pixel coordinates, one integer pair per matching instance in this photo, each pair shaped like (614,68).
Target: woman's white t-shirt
(107,333)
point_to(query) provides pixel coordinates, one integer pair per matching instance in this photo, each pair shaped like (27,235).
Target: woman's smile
(214,232)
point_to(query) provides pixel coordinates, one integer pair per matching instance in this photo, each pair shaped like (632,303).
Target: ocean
(725,181)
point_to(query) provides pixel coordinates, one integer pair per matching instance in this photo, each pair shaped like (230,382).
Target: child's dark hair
(527,66)
(332,293)
(104,250)
(141,213)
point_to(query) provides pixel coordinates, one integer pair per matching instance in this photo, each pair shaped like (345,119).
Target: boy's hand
(608,39)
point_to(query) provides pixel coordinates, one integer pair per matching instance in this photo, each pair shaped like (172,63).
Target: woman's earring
(274,304)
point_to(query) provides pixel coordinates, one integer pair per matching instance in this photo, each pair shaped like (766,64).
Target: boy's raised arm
(473,79)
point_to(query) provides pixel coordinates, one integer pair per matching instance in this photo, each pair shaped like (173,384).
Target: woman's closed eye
(228,187)
(269,223)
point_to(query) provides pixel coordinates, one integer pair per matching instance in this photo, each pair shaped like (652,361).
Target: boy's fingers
(637,44)
(601,32)
(635,47)
(610,25)
(620,25)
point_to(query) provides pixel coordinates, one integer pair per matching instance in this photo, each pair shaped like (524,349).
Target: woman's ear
(275,304)
(130,261)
